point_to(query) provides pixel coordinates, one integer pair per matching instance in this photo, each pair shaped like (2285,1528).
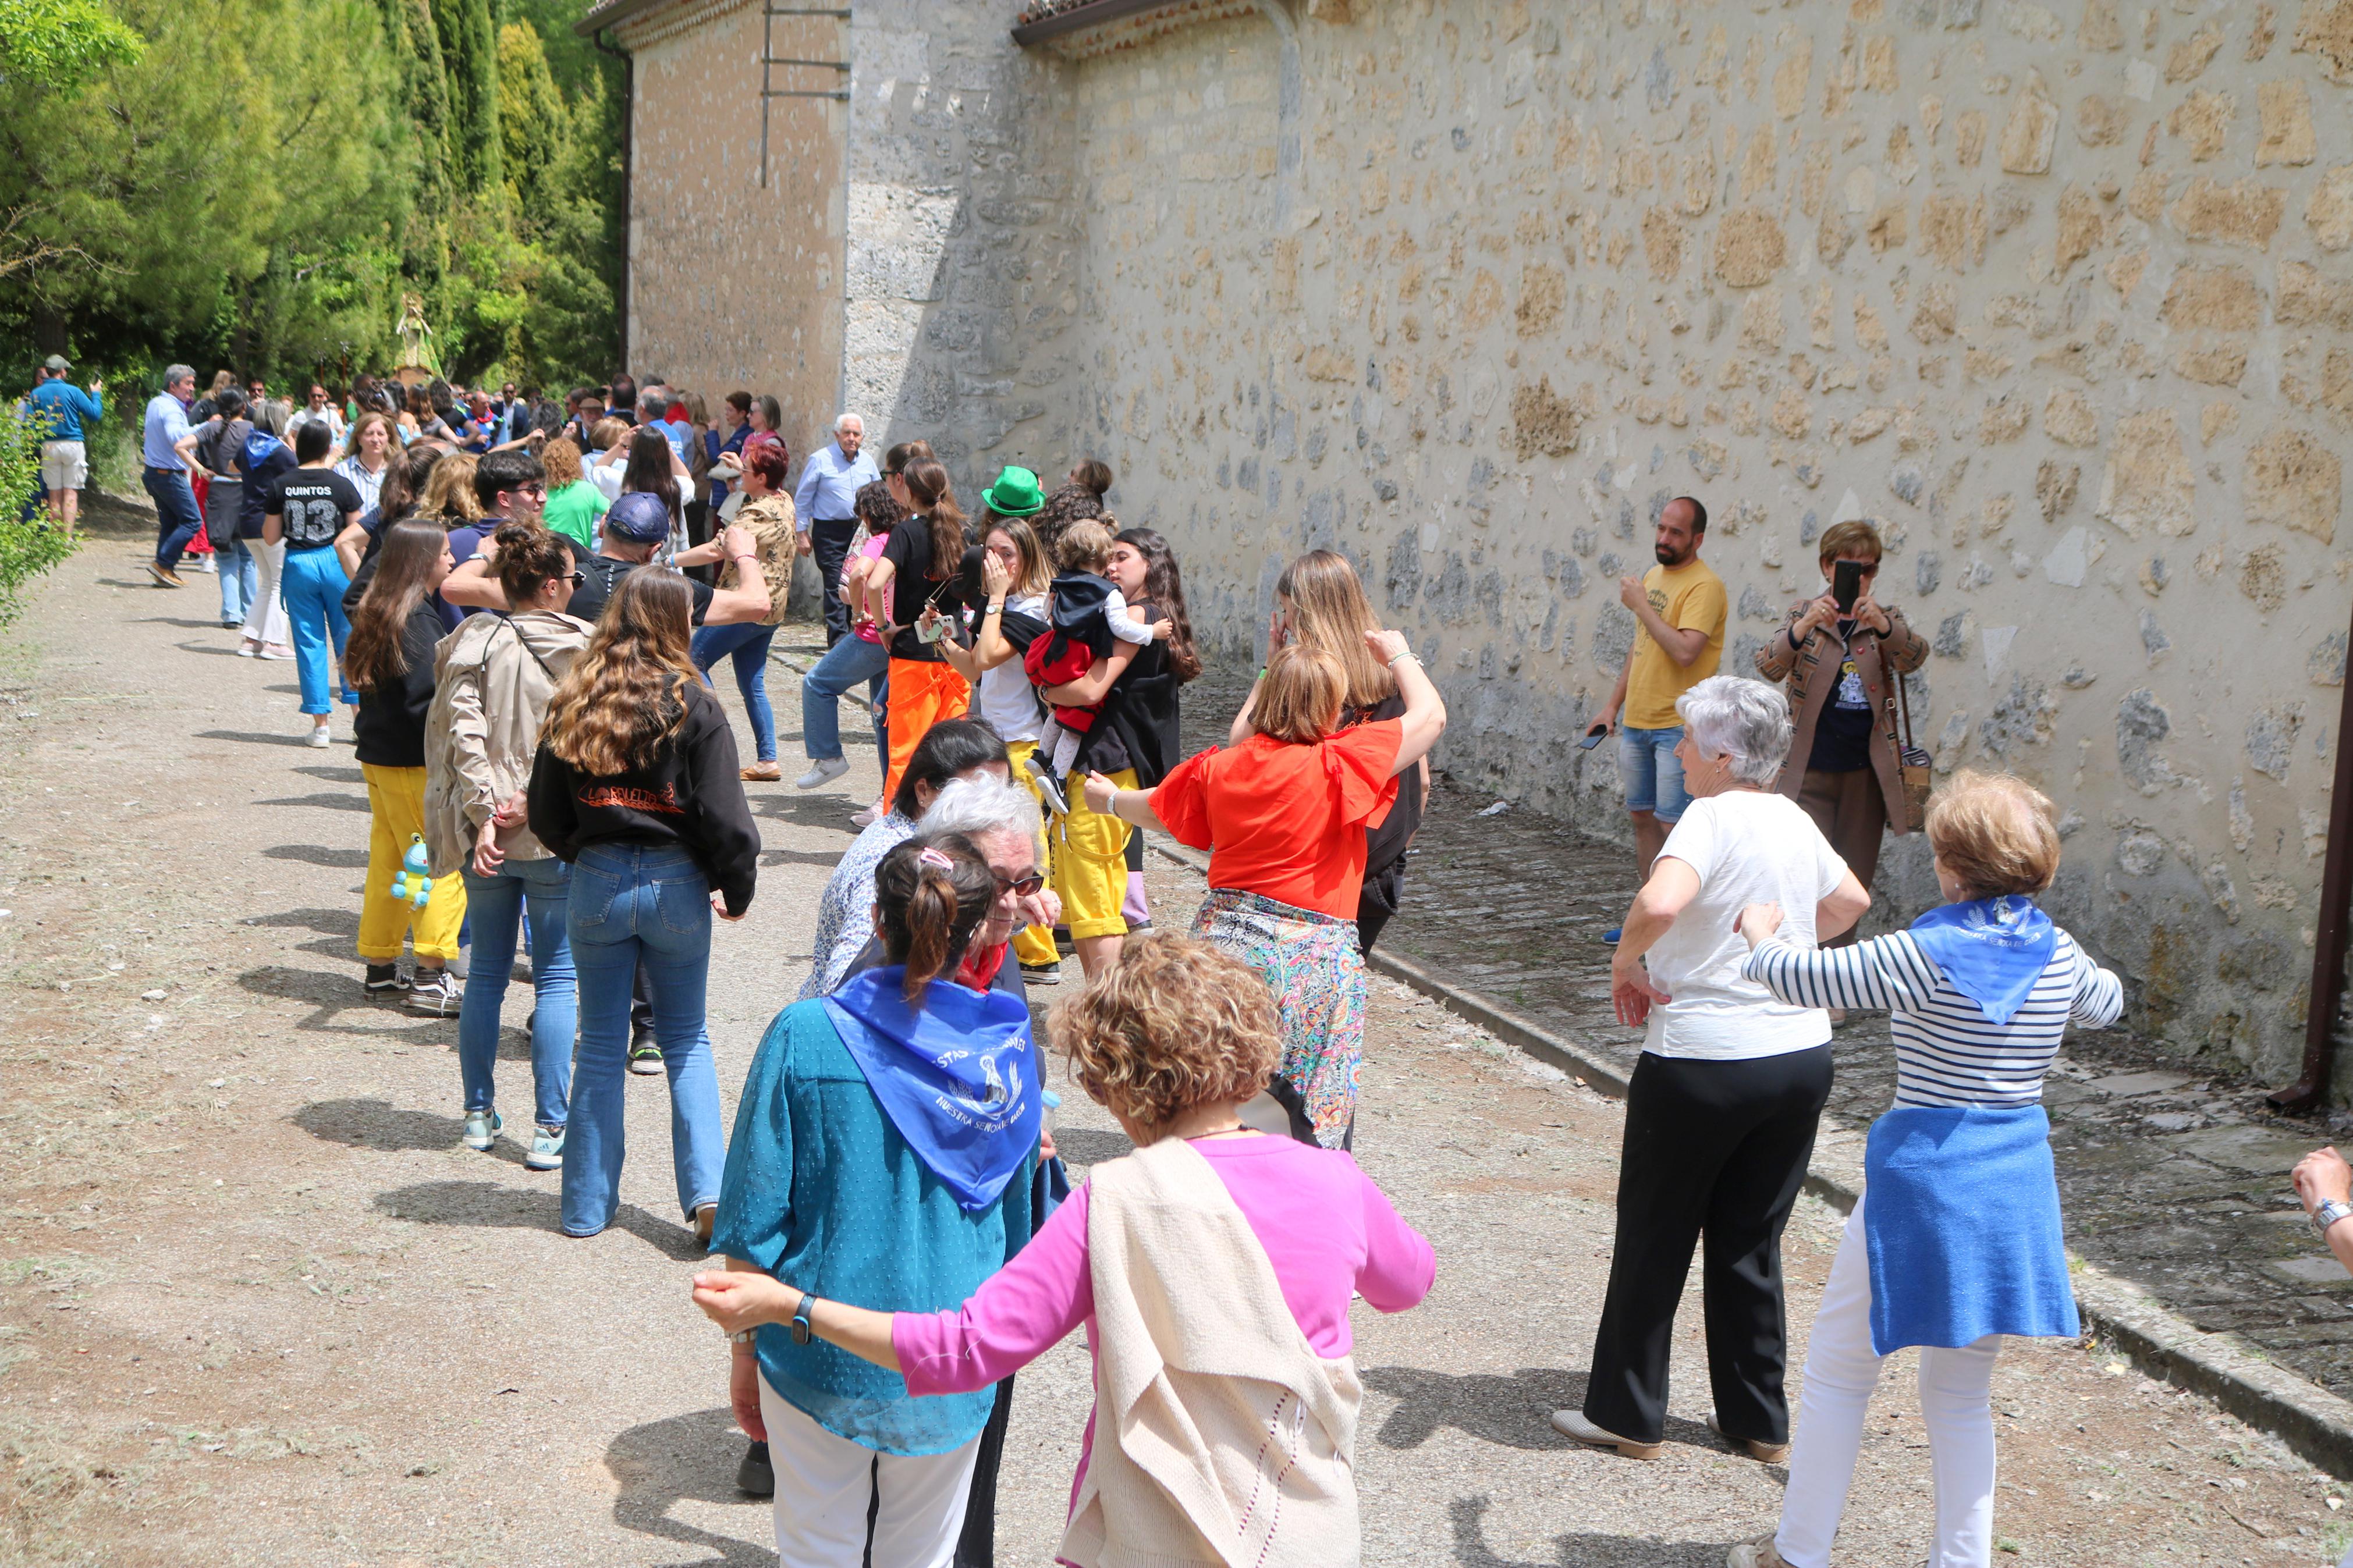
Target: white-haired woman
(1721,1113)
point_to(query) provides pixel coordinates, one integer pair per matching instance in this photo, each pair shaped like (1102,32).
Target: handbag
(1917,766)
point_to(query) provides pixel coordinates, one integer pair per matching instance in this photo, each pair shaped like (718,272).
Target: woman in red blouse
(1283,816)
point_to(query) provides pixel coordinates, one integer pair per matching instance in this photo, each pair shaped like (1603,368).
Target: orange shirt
(1283,820)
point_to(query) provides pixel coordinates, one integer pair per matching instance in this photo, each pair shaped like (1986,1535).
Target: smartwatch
(800,1324)
(2327,1213)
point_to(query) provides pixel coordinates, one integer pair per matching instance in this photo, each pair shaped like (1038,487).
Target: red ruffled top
(1285,820)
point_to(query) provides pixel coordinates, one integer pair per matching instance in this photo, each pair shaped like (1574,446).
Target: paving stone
(2125,1084)
(2261,1149)
(2321,1271)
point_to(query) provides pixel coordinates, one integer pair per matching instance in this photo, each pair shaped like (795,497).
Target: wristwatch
(800,1325)
(2327,1213)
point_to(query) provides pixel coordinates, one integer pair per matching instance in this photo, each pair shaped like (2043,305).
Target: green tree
(470,56)
(60,44)
(28,545)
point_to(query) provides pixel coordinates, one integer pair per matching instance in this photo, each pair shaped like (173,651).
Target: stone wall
(2059,294)
(733,284)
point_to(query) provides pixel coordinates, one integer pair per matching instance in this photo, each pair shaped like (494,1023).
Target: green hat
(1016,493)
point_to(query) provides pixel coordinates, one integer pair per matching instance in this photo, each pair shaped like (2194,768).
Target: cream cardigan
(1221,1439)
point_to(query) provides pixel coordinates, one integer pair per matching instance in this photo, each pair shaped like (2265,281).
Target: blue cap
(638,518)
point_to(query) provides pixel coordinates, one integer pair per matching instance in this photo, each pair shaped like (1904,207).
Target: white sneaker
(1759,1554)
(275,650)
(1573,1424)
(823,771)
(249,650)
(868,818)
(320,738)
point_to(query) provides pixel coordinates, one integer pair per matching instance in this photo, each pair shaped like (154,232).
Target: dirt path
(258,1306)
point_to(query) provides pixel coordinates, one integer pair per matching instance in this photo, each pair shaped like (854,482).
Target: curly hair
(624,696)
(1173,1025)
(529,555)
(561,459)
(449,495)
(878,509)
(1066,505)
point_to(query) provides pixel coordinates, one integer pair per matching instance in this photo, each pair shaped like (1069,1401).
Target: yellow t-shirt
(1688,597)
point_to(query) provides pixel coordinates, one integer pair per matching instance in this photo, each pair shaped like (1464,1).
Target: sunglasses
(1023,886)
(579,578)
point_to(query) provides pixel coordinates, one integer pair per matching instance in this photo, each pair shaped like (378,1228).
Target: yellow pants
(1091,862)
(1034,944)
(397,810)
(922,694)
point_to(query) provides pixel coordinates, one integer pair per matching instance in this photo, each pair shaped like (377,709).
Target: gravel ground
(258,1306)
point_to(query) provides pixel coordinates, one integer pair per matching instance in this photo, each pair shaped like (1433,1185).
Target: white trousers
(825,1483)
(1955,1403)
(265,618)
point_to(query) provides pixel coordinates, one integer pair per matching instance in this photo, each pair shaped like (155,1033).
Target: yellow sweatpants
(395,811)
(1034,944)
(1091,862)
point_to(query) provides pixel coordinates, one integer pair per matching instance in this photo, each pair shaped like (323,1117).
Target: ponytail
(931,894)
(927,484)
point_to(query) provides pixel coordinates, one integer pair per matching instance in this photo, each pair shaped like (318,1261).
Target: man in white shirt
(826,503)
(318,410)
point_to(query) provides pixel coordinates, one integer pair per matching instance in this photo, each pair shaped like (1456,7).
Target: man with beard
(1681,606)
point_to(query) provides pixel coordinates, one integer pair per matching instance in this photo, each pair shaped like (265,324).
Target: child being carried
(1088,615)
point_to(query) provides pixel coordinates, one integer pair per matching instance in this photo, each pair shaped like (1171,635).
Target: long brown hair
(927,484)
(449,496)
(649,472)
(624,696)
(372,654)
(1163,589)
(931,892)
(1330,613)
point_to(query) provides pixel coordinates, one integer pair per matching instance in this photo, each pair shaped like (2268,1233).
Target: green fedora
(1016,493)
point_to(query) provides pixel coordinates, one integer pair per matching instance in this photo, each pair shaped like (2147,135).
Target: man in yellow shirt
(1681,605)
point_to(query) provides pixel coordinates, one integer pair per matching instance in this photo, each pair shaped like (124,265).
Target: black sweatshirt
(691,795)
(390,727)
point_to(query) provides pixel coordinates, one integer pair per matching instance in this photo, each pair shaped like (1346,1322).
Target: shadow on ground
(686,1458)
(1470,1547)
(323,801)
(485,1203)
(318,855)
(381,1125)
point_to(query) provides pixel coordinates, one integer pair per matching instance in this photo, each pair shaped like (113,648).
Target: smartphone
(1846,583)
(1592,739)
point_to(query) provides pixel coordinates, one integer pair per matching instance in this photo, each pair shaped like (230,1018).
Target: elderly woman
(1283,816)
(883,1154)
(1845,765)
(1213,1248)
(1720,1116)
(1956,1239)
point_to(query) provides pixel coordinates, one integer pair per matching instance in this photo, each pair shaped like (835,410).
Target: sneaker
(205,564)
(249,650)
(1612,934)
(276,650)
(546,1149)
(228,625)
(385,980)
(761,773)
(1573,1424)
(823,771)
(482,1128)
(756,1476)
(164,576)
(433,991)
(1759,1554)
(320,738)
(1763,1453)
(1042,973)
(1047,785)
(706,1220)
(868,818)
(644,1057)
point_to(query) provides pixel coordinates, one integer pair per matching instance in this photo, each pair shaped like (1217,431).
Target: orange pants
(922,694)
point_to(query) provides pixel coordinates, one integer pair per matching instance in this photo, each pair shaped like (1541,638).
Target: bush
(28,545)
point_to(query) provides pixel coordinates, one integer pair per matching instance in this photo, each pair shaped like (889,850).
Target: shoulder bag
(1917,766)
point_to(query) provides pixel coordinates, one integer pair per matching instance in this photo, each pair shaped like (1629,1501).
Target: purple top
(1328,1230)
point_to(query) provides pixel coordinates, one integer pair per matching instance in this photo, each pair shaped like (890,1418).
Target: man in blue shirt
(59,409)
(826,503)
(166,477)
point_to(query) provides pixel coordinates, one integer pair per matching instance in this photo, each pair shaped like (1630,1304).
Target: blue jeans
(748,645)
(176,517)
(495,907)
(845,664)
(312,584)
(632,902)
(240,579)
(1652,772)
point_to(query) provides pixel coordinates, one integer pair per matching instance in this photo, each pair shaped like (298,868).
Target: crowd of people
(526,626)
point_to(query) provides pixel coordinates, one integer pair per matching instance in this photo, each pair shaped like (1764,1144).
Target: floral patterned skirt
(1311,963)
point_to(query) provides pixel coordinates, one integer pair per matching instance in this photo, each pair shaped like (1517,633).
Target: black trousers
(829,541)
(1714,1154)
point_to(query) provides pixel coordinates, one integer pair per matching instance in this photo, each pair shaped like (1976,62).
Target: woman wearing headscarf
(882,1155)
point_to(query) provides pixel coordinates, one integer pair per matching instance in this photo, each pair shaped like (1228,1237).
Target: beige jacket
(1223,1440)
(770,520)
(492,679)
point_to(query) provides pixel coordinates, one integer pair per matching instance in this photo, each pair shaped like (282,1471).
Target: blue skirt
(1962,1229)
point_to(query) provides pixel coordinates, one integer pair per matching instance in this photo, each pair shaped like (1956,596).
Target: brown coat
(1811,671)
(493,678)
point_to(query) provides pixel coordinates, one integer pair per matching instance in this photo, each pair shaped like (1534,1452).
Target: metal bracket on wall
(769,58)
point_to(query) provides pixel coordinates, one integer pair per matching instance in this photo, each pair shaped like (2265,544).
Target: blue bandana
(959,1080)
(1992,950)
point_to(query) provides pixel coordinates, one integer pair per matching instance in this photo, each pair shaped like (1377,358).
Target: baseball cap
(638,518)
(55,361)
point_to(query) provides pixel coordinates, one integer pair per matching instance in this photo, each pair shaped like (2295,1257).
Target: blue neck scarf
(1992,950)
(959,1080)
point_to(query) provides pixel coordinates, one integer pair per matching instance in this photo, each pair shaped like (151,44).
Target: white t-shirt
(1748,847)
(1007,700)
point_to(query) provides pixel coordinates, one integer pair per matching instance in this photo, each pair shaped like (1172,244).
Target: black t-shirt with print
(604,573)
(1842,730)
(312,504)
(912,587)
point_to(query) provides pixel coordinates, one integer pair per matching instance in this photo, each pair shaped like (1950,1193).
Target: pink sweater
(1328,1230)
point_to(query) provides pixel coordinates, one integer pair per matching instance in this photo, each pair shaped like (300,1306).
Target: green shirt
(573,511)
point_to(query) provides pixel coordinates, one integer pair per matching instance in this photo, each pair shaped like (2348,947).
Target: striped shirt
(1947,1052)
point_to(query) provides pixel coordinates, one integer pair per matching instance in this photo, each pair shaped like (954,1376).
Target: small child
(1089,615)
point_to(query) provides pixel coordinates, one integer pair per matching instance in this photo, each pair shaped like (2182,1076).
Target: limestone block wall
(964,238)
(2058,293)
(732,285)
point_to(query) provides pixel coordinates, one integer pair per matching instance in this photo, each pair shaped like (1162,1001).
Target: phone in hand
(1846,584)
(1594,737)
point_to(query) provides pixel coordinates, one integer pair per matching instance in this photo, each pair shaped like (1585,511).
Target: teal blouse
(822,1192)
